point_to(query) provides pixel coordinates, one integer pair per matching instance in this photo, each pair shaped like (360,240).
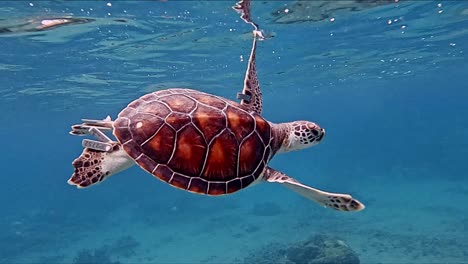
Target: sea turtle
(201,142)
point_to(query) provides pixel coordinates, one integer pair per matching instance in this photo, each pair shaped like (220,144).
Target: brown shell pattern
(195,141)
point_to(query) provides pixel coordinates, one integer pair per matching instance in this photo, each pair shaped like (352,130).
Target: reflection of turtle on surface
(42,24)
(319,10)
(35,25)
(201,142)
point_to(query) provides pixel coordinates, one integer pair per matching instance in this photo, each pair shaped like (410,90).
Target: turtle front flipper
(93,166)
(337,201)
(251,95)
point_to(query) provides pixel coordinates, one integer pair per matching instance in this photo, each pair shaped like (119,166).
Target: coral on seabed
(98,256)
(124,246)
(319,249)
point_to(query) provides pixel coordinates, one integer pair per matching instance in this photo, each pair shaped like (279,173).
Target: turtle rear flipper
(337,201)
(89,124)
(93,166)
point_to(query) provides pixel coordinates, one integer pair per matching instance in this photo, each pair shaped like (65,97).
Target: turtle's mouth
(322,134)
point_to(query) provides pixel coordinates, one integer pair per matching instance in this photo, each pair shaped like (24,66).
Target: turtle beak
(322,134)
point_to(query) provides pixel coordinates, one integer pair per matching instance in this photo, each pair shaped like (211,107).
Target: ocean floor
(406,221)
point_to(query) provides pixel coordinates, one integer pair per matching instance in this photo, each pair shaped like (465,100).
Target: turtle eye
(315,132)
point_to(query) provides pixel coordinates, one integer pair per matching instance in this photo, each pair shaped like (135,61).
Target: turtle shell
(195,141)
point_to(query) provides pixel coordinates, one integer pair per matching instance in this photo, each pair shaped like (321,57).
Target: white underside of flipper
(337,201)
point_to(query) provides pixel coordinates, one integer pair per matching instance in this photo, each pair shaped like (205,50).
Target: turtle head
(300,135)
(94,166)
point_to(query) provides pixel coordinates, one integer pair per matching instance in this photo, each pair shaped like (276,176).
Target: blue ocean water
(387,82)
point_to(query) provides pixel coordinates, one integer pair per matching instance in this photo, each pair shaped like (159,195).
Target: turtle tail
(94,166)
